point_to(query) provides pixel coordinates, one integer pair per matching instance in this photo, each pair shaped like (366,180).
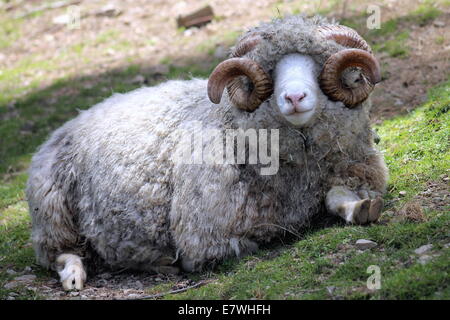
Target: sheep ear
(227,74)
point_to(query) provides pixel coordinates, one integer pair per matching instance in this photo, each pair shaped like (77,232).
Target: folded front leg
(352,208)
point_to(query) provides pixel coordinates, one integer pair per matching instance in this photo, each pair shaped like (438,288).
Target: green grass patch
(416,147)
(9,31)
(425,13)
(395,47)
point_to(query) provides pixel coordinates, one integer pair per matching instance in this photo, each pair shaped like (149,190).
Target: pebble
(11,272)
(26,277)
(11,285)
(439,24)
(423,249)
(363,244)
(139,79)
(139,285)
(402,193)
(424,259)
(106,275)
(331,290)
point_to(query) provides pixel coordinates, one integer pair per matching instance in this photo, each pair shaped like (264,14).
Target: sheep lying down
(186,173)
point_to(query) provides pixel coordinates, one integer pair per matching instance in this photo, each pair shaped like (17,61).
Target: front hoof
(73,278)
(376,206)
(361,211)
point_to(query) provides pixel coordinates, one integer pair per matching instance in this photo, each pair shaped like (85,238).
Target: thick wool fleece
(105,185)
(293,34)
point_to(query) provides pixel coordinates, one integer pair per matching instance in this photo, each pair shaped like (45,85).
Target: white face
(296,88)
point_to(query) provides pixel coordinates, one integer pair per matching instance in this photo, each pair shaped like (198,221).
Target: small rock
(423,249)
(139,79)
(27,268)
(139,285)
(10,298)
(447,245)
(331,290)
(439,24)
(424,259)
(11,272)
(363,244)
(26,278)
(11,285)
(13,294)
(133,295)
(110,51)
(106,275)
(402,193)
(158,279)
(108,11)
(74,293)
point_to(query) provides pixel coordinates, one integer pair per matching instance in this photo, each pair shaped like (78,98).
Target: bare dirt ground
(145,32)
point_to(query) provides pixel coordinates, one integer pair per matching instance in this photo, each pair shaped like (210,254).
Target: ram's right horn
(243,98)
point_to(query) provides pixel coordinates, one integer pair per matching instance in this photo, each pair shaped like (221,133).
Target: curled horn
(359,56)
(242,98)
(229,72)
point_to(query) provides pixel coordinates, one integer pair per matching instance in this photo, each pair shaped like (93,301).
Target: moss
(425,13)
(395,47)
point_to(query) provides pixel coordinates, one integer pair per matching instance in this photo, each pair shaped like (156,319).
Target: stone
(11,272)
(11,285)
(402,193)
(424,259)
(139,79)
(423,249)
(331,290)
(26,278)
(363,244)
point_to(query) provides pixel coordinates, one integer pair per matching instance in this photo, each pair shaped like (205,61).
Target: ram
(107,188)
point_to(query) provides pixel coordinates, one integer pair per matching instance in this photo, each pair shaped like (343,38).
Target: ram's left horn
(331,76)
(359,55)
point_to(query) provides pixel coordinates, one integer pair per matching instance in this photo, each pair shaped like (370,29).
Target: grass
(395,47)
(425,13)
(417,147)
